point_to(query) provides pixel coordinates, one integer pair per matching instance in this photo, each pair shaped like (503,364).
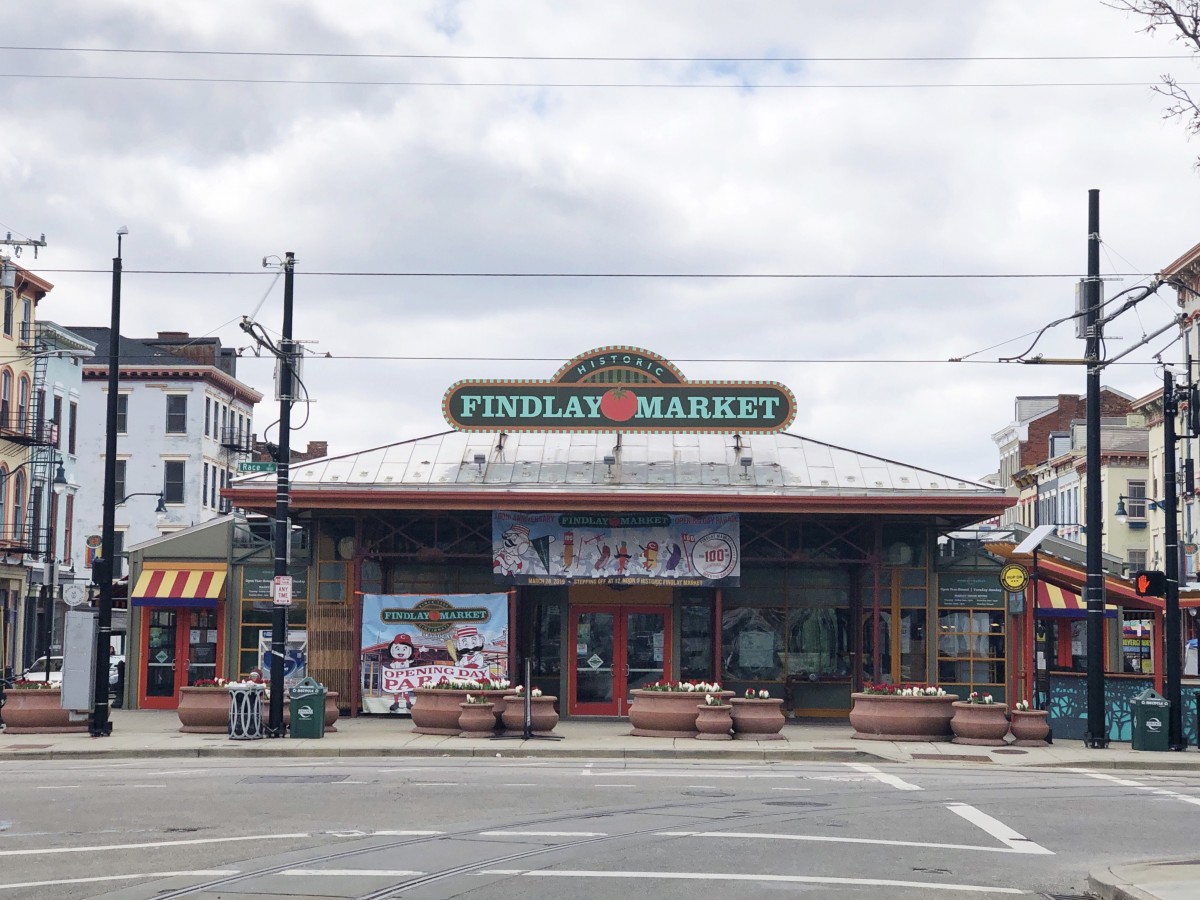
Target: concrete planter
(541,711)
(476,720)
(436,710)
(714,723)
(38,712)
(666,713)
(980,724)
(1030,727)
(888,717)
(757,720)
(203,710)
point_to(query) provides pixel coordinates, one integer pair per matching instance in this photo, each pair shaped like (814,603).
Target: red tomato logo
(618,404)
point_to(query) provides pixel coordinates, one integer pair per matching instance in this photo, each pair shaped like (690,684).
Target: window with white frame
(1136,560)
(1135,499)
(174,471)
(177,413)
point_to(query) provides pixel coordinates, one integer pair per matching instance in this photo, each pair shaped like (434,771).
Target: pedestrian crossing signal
(1150,584)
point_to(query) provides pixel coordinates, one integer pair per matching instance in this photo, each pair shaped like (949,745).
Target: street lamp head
(60,485)
(161,509)
(124,229)
(1121,515)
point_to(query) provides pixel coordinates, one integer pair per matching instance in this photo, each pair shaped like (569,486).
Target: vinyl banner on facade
(621,548)
(413,640)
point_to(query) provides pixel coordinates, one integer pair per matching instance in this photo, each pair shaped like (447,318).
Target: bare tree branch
(1183,18)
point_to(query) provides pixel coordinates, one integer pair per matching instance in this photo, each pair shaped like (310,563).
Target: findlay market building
(618,525)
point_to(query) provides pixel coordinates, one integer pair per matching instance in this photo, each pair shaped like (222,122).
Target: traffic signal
(1150,584)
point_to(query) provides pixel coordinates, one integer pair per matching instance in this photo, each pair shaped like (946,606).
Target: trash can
(245,711)
(1150,721)
(307,706)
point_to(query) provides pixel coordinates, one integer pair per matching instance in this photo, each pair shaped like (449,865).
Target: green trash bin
(307,705)
(1150,721)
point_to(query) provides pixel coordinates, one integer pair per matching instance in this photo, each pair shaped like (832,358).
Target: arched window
(18,506)
(5,399)
(23,404)
(4,533)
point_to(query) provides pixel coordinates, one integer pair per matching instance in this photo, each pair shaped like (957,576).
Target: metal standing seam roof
(754,464)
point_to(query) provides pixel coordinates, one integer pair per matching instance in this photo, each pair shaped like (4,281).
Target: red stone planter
(980,724)
(541,711)
(203,710)
(476,720)
(757,720)
(667,713)
(714,723)
(887,717)
(436,711)
(38,712)
(1030,727)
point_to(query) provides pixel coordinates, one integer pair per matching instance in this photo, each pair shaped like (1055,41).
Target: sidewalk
(155,734)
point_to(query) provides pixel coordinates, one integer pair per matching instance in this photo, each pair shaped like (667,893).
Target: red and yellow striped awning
(179,587)
(1056,601)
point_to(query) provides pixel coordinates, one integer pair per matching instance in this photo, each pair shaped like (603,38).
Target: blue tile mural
(1068,706)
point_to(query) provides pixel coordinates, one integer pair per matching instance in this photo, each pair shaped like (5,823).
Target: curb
(275,752)
(1116,882)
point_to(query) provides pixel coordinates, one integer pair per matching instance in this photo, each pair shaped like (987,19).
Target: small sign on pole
(281,590)
(244,467)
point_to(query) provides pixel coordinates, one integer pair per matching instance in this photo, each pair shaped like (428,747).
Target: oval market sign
(619,389)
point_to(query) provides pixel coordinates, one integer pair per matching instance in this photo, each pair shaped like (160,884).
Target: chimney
(172,335)
(317,449)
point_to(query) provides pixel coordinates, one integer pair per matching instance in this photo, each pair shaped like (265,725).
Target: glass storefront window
(971,650)
(695,643)
(752,641)
(547,640)
(818,642)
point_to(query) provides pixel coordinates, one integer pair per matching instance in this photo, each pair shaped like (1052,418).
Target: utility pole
(1176,740)
(102,569)
(1097,728)
(279,613)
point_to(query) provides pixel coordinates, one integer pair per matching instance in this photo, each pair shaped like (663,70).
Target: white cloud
(812,180)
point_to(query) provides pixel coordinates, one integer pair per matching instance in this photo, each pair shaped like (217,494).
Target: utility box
(1150,721)
(79,659)
(307,707)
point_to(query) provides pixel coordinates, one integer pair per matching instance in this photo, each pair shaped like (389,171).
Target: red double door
(180,646)
(617,649)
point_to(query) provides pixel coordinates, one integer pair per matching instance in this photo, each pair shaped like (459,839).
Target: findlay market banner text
(414,640)
(622,548)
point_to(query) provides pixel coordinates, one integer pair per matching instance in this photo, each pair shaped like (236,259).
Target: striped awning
(179,587)
(1056,601)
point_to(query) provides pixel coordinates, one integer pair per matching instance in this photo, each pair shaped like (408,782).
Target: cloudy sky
(486,188)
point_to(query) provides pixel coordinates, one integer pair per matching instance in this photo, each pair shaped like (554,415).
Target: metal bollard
(245,711)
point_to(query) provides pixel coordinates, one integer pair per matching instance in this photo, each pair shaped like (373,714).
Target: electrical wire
(732,85)
(764,276)
(654,59)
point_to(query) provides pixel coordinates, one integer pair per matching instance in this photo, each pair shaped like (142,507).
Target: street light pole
(279,613)
(1176,740)
(50,579)
(102,570)
(1097,728)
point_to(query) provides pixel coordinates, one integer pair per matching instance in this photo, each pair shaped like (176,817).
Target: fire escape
(236,445)
(25,421)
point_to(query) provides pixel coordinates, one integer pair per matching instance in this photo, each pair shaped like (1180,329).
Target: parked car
(37,671)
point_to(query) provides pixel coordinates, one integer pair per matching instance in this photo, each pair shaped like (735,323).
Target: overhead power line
(696,275)
(732,85)
(531,58)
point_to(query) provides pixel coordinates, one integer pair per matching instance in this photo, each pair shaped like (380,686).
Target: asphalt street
(480,828)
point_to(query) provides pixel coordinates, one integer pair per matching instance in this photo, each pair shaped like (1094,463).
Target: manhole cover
(811,804)
(1010,750)
(293,779)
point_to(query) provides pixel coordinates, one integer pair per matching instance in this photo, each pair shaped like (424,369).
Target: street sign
(244,467)
(281,590)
